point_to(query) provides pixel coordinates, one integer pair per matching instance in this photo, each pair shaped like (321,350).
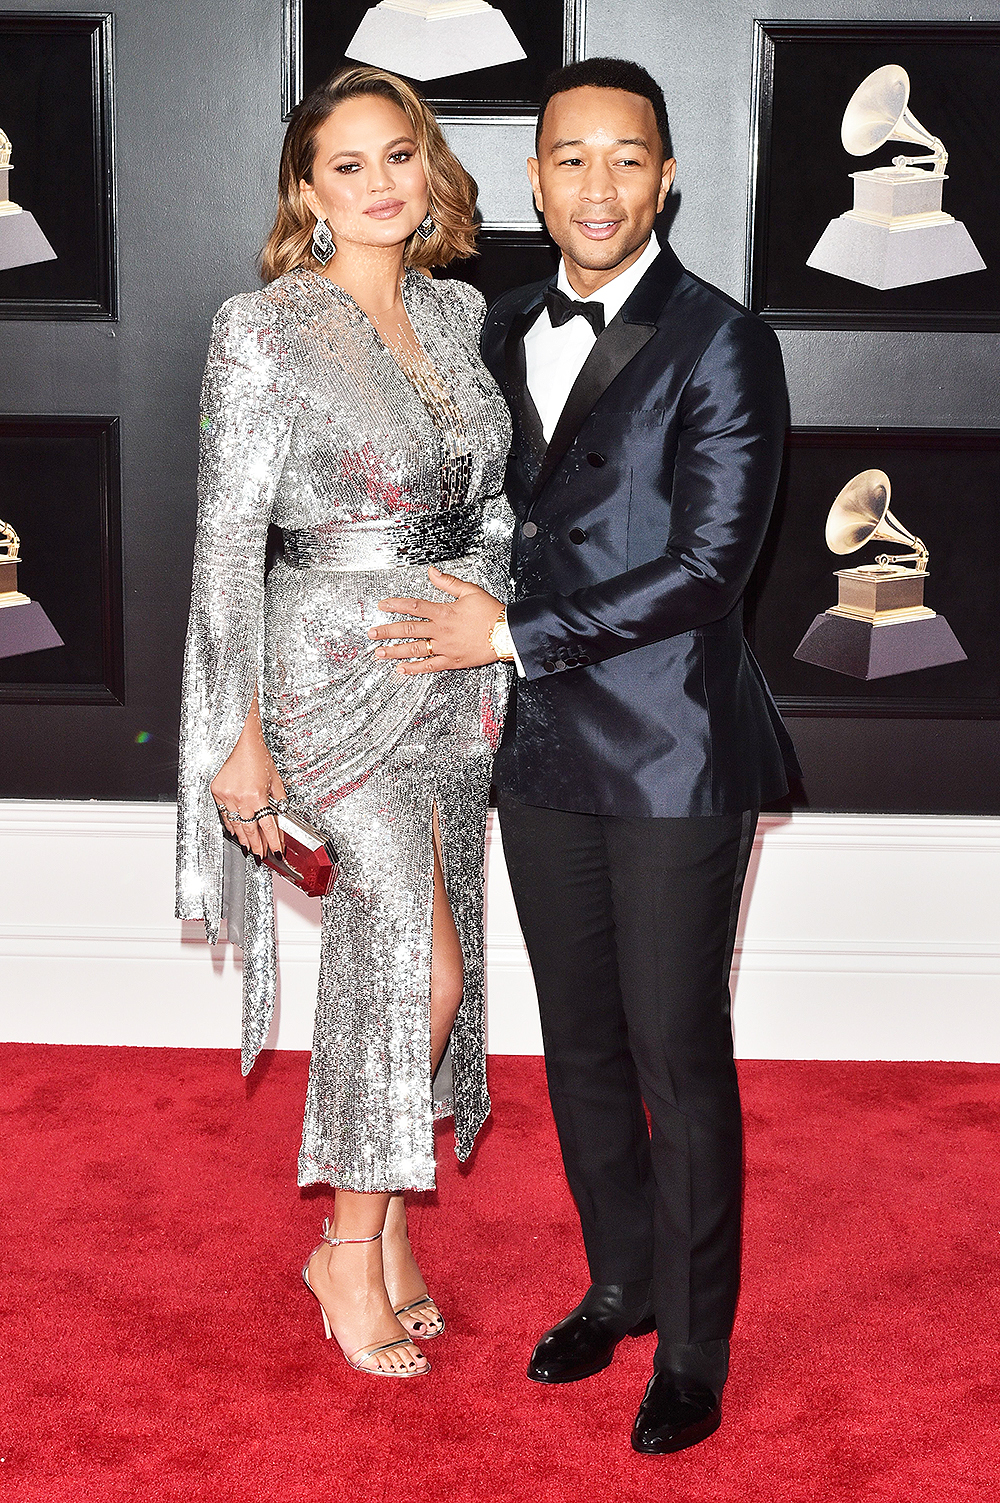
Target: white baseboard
(863,937)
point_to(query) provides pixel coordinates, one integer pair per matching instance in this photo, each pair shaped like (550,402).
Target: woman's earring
(323,247)
(426,227)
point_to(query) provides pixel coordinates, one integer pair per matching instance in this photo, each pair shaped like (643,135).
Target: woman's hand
(246,783)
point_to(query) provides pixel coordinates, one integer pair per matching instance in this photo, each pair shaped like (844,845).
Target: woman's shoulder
(247,318)
(273,320)
(287,297)
(455,296)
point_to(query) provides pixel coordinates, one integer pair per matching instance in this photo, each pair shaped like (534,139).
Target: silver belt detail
(427,538)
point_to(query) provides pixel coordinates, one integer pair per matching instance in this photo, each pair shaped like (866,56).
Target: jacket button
(596,460)
(528,529)
(577,535)
(549,666)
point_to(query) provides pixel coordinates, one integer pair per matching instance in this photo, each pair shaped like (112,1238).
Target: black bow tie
(561,309)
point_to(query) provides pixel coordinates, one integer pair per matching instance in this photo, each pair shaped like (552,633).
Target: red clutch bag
(310,860)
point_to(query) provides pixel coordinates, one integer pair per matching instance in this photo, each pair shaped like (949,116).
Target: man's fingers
(401,631)
(397,607)
(445,582)
(425,665)
(402,650)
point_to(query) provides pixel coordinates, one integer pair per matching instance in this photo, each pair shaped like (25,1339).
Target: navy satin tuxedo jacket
(637,530)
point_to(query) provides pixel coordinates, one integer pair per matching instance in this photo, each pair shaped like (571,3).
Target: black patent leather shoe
(674,1415)
(584,1343)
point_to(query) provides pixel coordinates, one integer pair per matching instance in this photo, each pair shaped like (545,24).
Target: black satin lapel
(619,344)
(516,382)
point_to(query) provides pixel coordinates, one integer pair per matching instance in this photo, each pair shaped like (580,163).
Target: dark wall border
(99,25)
(506,259)
(959,522)
(768,36)
(103,503)
(293,63)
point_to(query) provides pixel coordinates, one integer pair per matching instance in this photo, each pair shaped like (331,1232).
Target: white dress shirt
(555,357)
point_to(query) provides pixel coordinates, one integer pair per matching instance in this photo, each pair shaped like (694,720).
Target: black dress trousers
(630,925)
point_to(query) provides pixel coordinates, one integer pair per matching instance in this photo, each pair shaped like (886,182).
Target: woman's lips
(387,209)
(598,229)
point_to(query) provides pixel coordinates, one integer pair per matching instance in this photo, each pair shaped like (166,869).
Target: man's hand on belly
(453,634)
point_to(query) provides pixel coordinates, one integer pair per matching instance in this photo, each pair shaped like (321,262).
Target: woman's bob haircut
(452,192)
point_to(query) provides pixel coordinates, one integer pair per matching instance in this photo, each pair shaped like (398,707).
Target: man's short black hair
(607,73)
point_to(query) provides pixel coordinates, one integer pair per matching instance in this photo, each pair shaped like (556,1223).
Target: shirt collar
(614,294)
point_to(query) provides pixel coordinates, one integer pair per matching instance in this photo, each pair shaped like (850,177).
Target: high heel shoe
(365,1353)
(434,1328)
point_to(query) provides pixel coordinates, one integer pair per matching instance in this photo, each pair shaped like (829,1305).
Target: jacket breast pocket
(620,420)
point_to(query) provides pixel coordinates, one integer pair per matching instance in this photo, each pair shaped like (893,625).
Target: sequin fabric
(371,471)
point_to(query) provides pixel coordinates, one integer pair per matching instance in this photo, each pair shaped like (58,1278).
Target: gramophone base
(884,256)
(425,49)
(863,650)
(22,242)
(26,628)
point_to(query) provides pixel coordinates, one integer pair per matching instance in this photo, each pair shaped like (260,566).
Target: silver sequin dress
(310,424)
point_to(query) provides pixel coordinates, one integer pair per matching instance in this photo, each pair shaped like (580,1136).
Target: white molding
(865,936)
(909,832)
(803,831)
(80,818)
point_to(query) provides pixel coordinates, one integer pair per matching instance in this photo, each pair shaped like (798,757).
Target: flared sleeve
(246,426)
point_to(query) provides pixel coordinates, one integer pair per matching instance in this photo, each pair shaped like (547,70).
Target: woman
(346,403)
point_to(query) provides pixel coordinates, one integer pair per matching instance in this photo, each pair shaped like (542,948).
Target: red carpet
(159,1343)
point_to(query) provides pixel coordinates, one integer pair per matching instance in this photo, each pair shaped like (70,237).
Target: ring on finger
(430,649)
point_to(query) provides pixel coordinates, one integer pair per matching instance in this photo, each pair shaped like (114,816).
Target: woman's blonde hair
(452,192)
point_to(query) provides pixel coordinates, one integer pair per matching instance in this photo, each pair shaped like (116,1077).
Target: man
(649,416)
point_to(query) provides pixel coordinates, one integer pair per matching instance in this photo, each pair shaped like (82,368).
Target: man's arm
(733,419)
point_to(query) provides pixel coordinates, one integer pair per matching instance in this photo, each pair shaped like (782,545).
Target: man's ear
(535,181)
(669,169)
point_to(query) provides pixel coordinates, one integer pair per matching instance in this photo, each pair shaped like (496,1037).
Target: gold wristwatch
(501,640)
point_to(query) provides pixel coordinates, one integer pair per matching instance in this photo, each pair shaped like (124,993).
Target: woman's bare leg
(349,1281)
(403,1278)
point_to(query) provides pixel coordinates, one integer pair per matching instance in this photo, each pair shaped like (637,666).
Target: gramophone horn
(856,514)
(861,515)
(877,112)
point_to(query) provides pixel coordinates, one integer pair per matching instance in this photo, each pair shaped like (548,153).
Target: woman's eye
(401,156)
(348,166)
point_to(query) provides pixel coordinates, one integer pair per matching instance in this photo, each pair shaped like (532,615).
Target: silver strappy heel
(360,1357)
(431,1328)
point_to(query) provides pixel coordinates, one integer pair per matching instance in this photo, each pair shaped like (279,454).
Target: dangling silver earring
(323,247)
(426,227)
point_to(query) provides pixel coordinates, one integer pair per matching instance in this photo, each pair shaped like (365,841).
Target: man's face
(600,178)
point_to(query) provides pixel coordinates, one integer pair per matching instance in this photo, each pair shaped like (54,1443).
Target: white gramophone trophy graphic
(24,626)
(434,38)
(897,233)
(21,241)
(880,625)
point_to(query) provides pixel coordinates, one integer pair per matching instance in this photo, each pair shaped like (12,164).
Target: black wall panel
(197,125)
